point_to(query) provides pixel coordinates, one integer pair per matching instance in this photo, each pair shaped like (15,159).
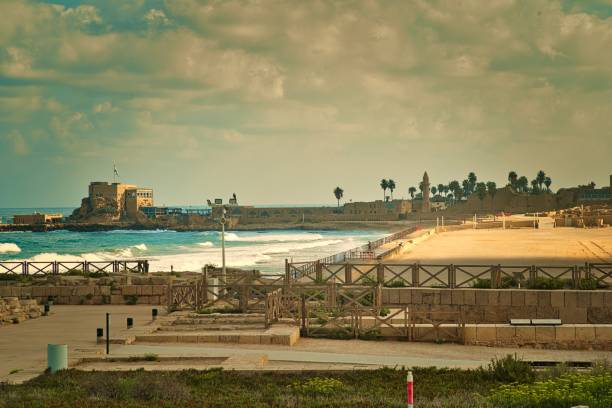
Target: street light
(223,273)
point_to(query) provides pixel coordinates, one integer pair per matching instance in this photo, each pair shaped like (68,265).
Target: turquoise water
(185,251)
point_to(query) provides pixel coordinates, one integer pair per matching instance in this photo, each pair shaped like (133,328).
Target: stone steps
(212,327)
(279,334)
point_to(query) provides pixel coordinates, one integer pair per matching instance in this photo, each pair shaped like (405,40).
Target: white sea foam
(231,236)
(140,247)
(9,247)
(206,244)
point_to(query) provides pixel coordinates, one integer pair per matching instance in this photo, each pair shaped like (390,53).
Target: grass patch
(506,383)
(397,283)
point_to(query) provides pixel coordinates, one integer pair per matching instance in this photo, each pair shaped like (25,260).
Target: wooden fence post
(24,268)
(287,272)
(494,274)
(331,294)
(348,273)
(415,275)
(533,274)
(378,297)
(319,271)
(380,273)
(452,277)
(576,276)
(205,284)
(303,313)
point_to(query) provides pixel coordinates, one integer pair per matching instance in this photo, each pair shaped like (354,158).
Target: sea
(265,250)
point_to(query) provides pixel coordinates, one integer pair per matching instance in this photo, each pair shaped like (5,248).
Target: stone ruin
(13,310)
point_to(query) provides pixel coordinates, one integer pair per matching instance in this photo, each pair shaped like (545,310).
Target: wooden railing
(451,275)
(61,267)
(365,251)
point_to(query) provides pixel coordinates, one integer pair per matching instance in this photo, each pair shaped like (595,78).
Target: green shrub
(151,357)
(589,284)
(594,391)
(511,369)
(397,283)
(481,283)
(384,311)
(548,283)
(317,386)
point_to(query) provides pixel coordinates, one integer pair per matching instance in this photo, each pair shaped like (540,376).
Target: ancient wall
(501,305)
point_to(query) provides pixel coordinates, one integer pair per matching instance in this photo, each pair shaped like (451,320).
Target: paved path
(23,347)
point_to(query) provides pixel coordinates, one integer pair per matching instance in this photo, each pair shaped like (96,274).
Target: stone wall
(114,291)
(13,310)
(501,305)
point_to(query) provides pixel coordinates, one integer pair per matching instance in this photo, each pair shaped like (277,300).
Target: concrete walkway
(23,347)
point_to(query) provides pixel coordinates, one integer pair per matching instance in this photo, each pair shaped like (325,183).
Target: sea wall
(501,305)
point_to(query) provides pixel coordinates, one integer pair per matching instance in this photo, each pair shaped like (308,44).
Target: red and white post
(410,390)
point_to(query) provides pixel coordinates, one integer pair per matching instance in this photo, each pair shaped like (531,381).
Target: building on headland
(37,218)
(114,201)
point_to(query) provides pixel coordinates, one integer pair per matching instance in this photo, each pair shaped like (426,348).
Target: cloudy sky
(280,101)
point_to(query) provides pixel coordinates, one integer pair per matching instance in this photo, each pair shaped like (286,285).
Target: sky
(282,101)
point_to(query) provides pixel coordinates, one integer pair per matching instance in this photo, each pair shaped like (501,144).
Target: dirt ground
(543,246)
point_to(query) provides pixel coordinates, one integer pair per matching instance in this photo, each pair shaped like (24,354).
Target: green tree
(540,178)
(512,179)
(453,187)
(384,184)
(339,193)
(434,190)
(391,186)
(466,187)
(481,191)
(472,181)
(411,191)
(491,189)
(441,188)
(534,186)
(547,183)
(522,183)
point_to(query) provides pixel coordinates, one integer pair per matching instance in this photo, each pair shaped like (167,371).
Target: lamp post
(223,273)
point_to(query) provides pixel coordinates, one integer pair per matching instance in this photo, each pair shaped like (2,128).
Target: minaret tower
(426,207)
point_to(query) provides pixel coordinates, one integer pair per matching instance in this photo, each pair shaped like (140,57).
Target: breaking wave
(9,247)
(231,236)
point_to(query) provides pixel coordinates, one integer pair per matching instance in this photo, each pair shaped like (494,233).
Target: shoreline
(388,226)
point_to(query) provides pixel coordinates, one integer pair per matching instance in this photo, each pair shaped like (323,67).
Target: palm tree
(339,193)
(534,186)
(547,183)
(540,178)
(522,183)
(411,191)
(453,186)
(491,188)
(472,181)
(512,178)
(421,186)
(466,187)
(481,190)
(434,190)
(384,184)
(391,186)
(441,188)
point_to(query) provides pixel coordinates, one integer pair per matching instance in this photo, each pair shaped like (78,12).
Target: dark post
(99,334)
(154,314)
(107,333)
(47,308)
(130,322)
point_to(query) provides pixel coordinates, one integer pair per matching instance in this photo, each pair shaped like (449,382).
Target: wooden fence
(448,275)
(60,267)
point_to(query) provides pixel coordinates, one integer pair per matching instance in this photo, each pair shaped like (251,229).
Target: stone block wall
(90,294)
(501,305)
(13,310)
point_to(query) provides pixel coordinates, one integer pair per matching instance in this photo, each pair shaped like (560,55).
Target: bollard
(47,308)
(57,357)
(410,390)
(130,322)
(99,334)
(154,314)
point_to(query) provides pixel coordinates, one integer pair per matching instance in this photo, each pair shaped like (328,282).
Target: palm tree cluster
(521,184)
(387,185)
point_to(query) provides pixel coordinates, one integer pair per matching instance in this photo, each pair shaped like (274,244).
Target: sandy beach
(543,246)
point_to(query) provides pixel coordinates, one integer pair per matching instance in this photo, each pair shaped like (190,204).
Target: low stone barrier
(501,305)
(13,310)
(92,293)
